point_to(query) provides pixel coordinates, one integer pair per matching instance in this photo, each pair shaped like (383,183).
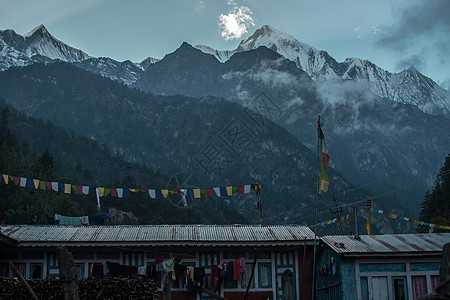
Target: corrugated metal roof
(388,243)
(28,235)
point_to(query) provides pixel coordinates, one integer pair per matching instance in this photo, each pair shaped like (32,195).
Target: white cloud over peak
(234,24)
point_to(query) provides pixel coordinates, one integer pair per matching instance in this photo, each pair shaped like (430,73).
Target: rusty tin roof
(148,235)
(388,243)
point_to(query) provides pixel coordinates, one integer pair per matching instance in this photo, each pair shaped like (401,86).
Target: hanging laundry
(97,220)
(142,270)
(242,264)
(84,220)
(199,274)
(229,273)
(76,221)
(168,266)
(237,269)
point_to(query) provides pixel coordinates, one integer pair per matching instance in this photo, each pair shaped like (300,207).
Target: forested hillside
(35,149)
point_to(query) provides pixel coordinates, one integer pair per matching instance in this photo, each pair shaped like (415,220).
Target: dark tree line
(436,204)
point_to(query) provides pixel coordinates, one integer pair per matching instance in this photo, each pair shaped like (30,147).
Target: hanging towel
(84,220)
(168,266)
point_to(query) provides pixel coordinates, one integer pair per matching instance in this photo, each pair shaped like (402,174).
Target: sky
(393,34)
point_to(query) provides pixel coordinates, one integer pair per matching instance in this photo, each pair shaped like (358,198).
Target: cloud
(415,60)
(421,32)
(428,17)
(235,23)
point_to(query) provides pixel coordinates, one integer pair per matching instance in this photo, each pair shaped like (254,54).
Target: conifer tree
(436,204)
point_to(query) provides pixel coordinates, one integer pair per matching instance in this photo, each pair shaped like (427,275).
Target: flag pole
(316,209)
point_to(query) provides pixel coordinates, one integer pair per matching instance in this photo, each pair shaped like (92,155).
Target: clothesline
(348,217)
(394,216)
(67,188)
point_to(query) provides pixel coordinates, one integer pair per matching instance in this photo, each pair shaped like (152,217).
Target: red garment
(236,269)
(214,273)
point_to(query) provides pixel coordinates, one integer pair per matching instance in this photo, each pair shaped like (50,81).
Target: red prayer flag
(241,189)
(48,184)
(79,190)
(176,191)
(209,192)
(114,192)
(325,159)
(16,180)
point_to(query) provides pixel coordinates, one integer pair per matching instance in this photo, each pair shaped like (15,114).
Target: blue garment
(97,220)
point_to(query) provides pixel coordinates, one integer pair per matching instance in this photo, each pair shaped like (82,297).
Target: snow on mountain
(17,50)
(39,46)
(221,55)
(406,87)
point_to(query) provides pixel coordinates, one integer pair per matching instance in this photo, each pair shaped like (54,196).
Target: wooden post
(24,282)
(251,276)
(67,273)
(167,286)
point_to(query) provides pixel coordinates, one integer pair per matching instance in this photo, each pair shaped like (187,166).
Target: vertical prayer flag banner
(324,179)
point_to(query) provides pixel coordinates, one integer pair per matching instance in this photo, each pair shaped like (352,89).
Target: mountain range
(408,86)
(387,132)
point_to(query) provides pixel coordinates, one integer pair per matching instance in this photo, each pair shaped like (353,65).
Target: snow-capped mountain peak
(38,45)
(409,86)
(41,29)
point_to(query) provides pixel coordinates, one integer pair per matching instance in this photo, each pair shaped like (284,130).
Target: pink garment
(242,264)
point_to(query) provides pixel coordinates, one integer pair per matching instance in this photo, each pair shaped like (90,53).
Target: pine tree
(436,204)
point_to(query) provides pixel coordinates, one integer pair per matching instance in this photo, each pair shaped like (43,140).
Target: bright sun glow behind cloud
(235,23)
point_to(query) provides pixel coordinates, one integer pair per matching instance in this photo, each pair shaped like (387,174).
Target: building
(283,268)
(392,266)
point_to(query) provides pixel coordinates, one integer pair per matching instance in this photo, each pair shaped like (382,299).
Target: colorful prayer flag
(324,180)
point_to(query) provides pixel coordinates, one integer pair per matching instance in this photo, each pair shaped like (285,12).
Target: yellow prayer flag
(67,188)
(101,191)
(368,222)
(229,190)
(5,178)
(165,193)
(196,193)
(36,183)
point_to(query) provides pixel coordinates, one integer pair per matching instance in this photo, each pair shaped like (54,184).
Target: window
(246,277)
(264,275)
(434,281)
(36,271)
(364,288)
(399,287)
(419,286)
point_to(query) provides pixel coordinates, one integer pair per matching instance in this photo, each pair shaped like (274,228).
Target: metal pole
(355,215)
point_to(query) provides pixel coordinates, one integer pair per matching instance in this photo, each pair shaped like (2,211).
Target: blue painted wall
(342,284)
